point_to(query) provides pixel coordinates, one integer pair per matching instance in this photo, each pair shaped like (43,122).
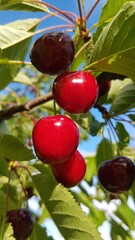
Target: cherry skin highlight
(55,138)
(52,53)
(70,172)
(117,175)
(104,87)
(76,92)
(22,222)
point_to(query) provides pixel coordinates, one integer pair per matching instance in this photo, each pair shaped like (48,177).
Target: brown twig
(92,9)
(9,112)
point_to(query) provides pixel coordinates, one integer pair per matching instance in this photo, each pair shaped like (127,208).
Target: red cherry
(22,222)
(117,175)
(76,92)
(104,87)
(70,172)
(53,53)
(55,138)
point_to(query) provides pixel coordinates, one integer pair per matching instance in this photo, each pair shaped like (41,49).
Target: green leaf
(39,233)
(124,101)
(104,151)
(13,149)
(88,123)
(91,168)
(3,166)
(64,210)
(22,5)
(3,198)
(127,215)
(132,117)
(14,42)
(108,12)
(114,50)
(119,233)
(8,234)
(123,135)
(116,87)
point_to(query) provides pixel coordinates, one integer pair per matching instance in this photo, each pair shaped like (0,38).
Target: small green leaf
(104,151)
(119,233)
(39,232)
(22,5)
(8,234)
(127,215)
(123,135)
(91,167)
(3,198)
(13,149)
(64,210)
(124,100)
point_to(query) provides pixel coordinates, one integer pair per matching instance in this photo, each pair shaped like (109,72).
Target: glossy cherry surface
(55,138)
(53,53)
(76,92)
(104,87)
(117,175)
(70,172)
(22,222)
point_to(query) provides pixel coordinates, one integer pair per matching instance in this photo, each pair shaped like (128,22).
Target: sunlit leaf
(104,151)
(109,10)
(124,100)
(122,135)
(22,5)
(64,210)
(114,50)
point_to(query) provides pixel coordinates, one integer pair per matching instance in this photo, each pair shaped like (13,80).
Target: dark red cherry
(76,92)
(53,53)
(104,87)
(117,175)
(22,222)
(70,172)
(55,138)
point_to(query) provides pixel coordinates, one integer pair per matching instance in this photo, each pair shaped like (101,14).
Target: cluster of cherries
(56,138)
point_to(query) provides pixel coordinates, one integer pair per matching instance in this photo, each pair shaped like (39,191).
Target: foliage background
(114,52)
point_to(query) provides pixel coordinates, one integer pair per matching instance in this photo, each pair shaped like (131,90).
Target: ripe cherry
(70,172)
(104,87)
(53,53)
(117,175)
(76,92)
(22,222)
(55,138)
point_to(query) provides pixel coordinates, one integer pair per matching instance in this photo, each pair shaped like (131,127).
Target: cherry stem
(92,9)
(80,12)
(21,183)
(54,8)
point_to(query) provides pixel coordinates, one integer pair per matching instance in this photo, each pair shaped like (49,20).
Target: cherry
(52,53)
(104,87)
(117,175)
(55,138)
(76,92)
(70,172)
(22,222)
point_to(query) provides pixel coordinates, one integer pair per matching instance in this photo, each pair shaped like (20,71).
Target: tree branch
(9,112)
